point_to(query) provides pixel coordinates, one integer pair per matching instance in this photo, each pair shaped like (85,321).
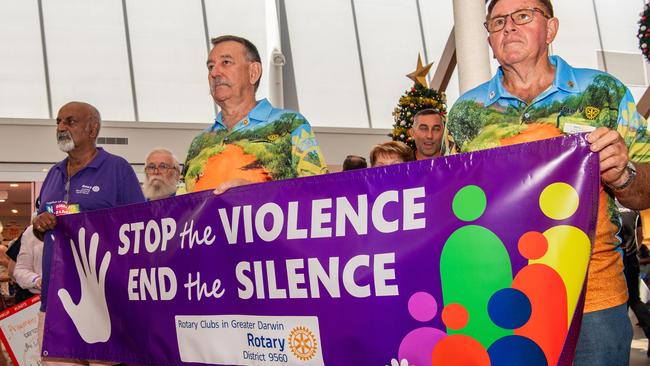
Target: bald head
(77,126)
(91,113)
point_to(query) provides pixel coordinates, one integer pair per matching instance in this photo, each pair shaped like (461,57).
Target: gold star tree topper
(419,76)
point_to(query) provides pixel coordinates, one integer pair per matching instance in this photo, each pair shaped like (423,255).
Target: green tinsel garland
(644,32)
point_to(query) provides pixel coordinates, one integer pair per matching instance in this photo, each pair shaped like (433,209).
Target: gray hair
(162,150)
(546,5)
(252,54)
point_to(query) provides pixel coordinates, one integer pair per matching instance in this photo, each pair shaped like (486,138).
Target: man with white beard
(162,173)
(88,179)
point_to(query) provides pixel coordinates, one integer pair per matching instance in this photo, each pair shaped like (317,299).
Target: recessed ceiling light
(14,211)
(13,185)
(3,201)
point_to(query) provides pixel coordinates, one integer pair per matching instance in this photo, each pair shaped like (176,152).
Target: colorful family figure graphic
(491,317)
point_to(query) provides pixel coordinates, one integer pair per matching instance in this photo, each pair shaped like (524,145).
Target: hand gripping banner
(474,259)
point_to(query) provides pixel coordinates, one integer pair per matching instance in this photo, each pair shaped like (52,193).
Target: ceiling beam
(644,104)
(446,66)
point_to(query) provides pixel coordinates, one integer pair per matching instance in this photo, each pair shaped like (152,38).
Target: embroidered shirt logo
(591,113)
(86,189)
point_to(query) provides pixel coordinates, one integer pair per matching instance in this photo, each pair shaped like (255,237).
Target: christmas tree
(419,97)
(644,31)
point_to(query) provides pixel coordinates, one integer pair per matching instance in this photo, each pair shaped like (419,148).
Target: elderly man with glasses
(535,96)
(162,173)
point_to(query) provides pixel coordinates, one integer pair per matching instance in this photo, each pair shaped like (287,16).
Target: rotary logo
(591,112)
(302,343)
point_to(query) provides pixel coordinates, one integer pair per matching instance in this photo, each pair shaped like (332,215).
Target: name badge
(571,128)
(62,208)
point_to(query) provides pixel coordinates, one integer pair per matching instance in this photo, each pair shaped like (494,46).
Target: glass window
(577,38)
(22,74)
(618,24)
(437,20)
(453,90)
(390,38)
(244,18)
(326,63)
(169,53)
(86,50)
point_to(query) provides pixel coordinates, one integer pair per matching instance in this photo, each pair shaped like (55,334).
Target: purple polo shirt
(107,181)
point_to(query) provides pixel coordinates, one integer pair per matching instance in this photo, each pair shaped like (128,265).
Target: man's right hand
(42,223)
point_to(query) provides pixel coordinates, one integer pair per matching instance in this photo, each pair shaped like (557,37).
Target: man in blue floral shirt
(534,96)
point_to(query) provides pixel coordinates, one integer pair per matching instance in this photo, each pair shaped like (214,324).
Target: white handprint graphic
(90,316)
(395,362)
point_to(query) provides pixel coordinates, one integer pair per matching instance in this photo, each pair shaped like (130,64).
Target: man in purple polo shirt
(88,179)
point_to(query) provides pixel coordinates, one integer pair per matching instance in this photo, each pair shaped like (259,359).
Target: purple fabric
(353,331)
(107,181)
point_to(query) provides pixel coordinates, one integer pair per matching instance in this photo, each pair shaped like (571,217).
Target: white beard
(66,145)
(157,189)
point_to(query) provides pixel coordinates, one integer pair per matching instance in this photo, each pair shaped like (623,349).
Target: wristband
(631,170)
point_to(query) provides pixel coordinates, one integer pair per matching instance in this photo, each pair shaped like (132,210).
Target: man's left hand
(223,187)
(612,153)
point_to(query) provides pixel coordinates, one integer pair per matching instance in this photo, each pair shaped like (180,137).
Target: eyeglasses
(162,167)
(519,17)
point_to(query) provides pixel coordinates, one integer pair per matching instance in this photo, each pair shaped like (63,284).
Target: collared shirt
(579,100)
(29,262)
(107,181)
(173,194)
(268,144)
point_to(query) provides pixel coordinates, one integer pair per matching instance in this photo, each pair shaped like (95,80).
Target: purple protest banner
(457,260)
